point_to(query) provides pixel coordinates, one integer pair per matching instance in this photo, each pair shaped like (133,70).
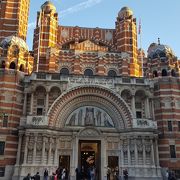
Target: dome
(159,50)
(14,40)
(48,5)
(125,12)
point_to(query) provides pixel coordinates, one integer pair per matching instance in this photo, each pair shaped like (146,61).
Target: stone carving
(72,120)
(37,120)
(108,36)
(89,116)
(148,148)
(142,122)
(89,132)
(106,121)
(98,117)
(64,33)
(80,117)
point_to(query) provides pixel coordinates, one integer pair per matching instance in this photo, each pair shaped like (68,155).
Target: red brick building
(85,93)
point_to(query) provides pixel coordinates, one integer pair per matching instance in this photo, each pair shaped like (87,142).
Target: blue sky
(159,18)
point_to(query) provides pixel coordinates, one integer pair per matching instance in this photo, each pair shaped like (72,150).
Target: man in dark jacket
(37,176)
(28,177)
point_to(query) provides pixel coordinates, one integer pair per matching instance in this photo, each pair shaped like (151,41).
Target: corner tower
(14,18)
(126,36)
(45,34)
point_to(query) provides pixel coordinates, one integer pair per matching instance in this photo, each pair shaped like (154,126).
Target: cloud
(79,7)
(32,25)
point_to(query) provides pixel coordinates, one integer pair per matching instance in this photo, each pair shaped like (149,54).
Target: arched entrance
(89,158)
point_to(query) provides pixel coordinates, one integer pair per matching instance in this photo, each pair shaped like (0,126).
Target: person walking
(46,174)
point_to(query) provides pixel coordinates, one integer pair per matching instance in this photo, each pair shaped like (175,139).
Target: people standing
(37,176)
(125,173)
(28,177)
(46,174)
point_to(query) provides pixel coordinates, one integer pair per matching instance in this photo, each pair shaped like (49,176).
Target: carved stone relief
(89,116)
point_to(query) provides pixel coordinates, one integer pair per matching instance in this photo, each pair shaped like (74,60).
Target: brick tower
(14,18)
(15,62)
(126,35)
(45,34)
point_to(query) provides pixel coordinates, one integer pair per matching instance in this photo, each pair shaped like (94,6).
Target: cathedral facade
(86,97)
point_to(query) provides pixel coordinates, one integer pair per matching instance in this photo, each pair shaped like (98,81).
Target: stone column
(152,108)
(50,150)
(32,100)
(47,102)
(147,107)
(157,152)
(43,150)
(136,152)
(129,154)
(144,152)
(25,104)
(152,152)
(56,152)
(133,105)
(19,149)
(26,148)
(34,149)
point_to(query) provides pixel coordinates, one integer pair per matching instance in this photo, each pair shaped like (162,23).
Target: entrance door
(89,158)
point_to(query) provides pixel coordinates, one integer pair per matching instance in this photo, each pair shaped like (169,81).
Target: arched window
(88,72)
(64,71)
(21,68)
(155,74)
(164,72)
(3,64)
(112,73)
(12,65)
(173,73)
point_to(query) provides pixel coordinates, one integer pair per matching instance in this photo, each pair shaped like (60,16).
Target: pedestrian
(46,174)
(63,175)
(125,174)
(37,176)
(28,177)
(77,174)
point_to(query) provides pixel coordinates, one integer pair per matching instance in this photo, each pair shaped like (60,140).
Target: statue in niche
(80,117)
(106,121)
(98,117)
(89,118)
(72,120)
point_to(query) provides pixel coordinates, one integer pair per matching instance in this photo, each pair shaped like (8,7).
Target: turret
(126,39)
(45,35)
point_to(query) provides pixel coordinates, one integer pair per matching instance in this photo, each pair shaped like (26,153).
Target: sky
(159,18)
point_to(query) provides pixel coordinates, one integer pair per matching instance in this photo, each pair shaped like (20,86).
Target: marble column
(129,154)
(25,104)
(32,102)
(133,106)
(47,102)
(157,152)
(147,107)
(152,152)
(34,149)
(144,152)
(136,152)
(56,152)
(43,149)
(19,149)
(50,150)
(26,149)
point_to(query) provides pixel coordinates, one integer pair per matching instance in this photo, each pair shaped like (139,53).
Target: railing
(144,123)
